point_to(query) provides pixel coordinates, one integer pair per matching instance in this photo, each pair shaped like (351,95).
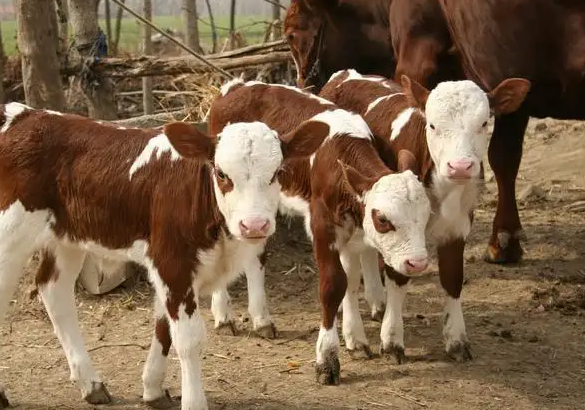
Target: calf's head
(396,212)
(457,114)
(246,159)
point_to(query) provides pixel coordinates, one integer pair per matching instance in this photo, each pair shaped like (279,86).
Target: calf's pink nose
(416,265)
(460,168)
(254,227)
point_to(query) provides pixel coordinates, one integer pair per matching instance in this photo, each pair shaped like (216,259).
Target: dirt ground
(526,323)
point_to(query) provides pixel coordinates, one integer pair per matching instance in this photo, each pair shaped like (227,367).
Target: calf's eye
(484,124)
(220,175)
(381,223)
(432,126)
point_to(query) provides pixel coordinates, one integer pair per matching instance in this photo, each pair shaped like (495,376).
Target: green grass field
(252,26)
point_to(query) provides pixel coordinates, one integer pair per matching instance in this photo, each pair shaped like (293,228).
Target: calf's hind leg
(56,282)
(18,231)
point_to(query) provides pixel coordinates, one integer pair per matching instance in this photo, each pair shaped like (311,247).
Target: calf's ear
(189,141)
(304,140)
(416,93)
(355,181)
(407,161)
(509,95)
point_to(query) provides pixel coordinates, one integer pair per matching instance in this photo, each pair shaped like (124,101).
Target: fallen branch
(153,66)
(152,121)
(407,397)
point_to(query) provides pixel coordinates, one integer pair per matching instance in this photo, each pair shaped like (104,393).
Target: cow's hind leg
(56,282)
(505,154)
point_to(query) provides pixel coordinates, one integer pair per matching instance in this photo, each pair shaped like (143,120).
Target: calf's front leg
(353,327)
(187,329)
(332,287)
(257,307)
(392,330)
(450,255)
(373,286)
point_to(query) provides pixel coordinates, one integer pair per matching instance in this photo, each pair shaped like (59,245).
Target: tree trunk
(98,89)
(147,97)
(232,23)
(276,24)
(190,25)
(2,63)
(116,42)
(63,38)
(108,18)
(37,36)
(213,28)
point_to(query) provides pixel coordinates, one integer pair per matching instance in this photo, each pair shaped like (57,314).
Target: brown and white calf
(353,204)
(192,209)
(283,107)
(447,130)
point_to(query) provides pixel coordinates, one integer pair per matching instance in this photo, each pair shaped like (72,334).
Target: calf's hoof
(4,403)
(361,351)
(267,332)
(506,250)
(99,394)
(393,353)
(328,372)
(163,402)
(460,352)
(226,328)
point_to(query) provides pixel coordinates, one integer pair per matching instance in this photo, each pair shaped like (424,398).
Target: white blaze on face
(249,154)
(402,200)
(457,113)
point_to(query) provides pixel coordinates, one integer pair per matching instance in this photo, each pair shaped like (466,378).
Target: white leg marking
(392,331)
(188,334)
(454,332)
(327,343)
(257,295)
(59,299)
(155,367)
(221,307)
(353,327)
(373,287)
(20,233)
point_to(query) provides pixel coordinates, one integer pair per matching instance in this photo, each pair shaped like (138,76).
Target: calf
(353,204)
(193,210)
(270,103)
(447,131)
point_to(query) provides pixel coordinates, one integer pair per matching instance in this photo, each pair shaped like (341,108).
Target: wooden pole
(147,97)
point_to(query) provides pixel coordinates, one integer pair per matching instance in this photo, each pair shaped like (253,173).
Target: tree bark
(147,97)
(37,37)
(63,20)
(98,89)
(116,42)
(108,18)
(232,23)
(191,25)
(213,28)
(276,24)
(2,63)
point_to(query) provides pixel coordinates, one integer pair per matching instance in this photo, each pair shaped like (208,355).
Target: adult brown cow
(546,46)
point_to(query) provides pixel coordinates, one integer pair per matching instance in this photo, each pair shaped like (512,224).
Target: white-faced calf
(193,210)
(447,131)
(353,204)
